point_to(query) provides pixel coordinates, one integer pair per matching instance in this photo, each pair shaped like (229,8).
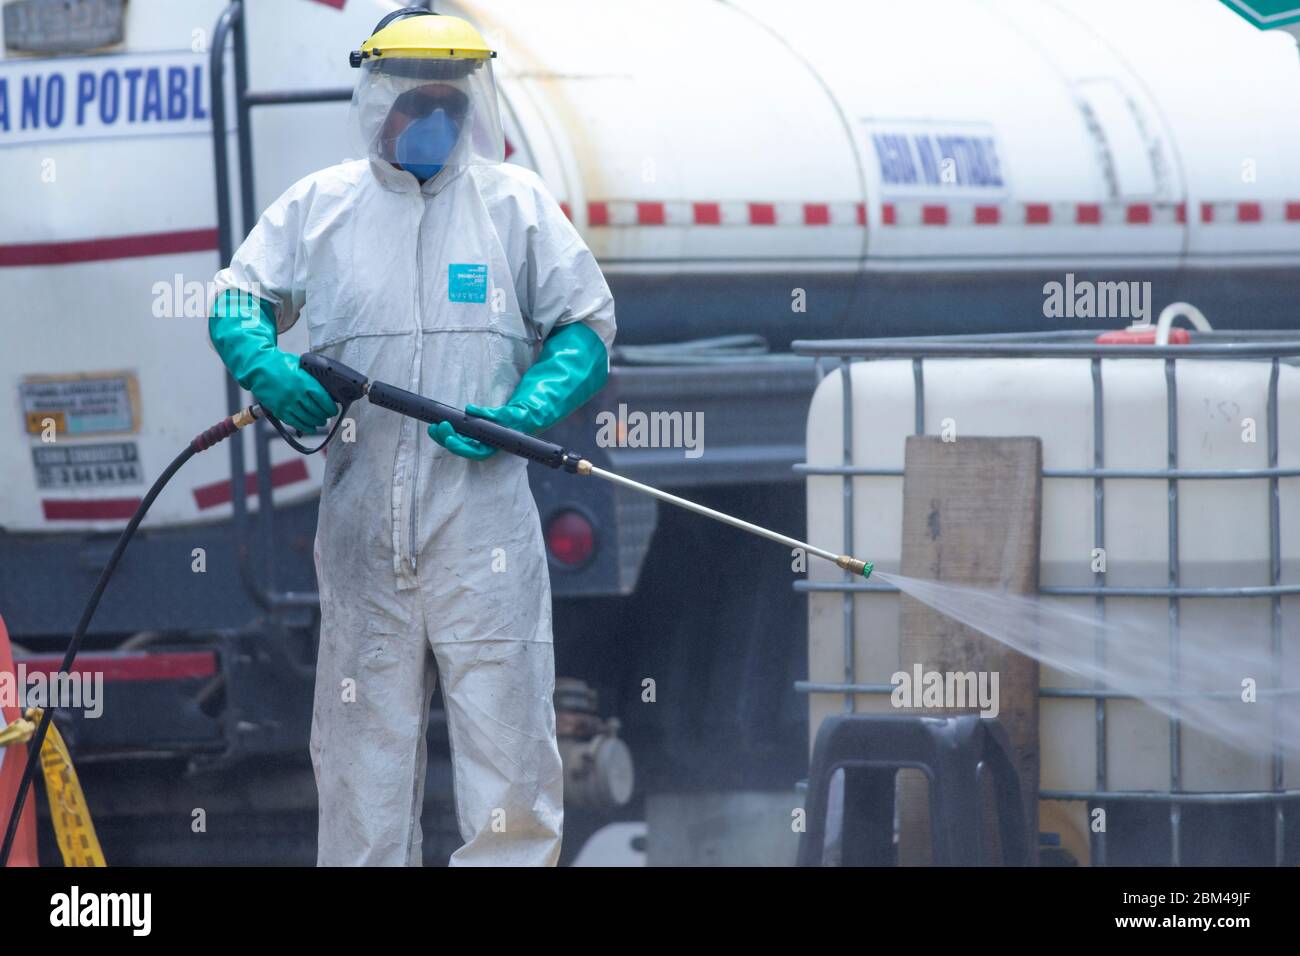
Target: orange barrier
(11,771)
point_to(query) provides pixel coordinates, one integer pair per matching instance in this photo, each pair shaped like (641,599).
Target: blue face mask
(423,147)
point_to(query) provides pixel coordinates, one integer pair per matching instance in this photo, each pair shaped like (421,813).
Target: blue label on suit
(466,282)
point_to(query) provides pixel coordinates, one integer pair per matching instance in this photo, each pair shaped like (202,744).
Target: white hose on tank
(1173,310)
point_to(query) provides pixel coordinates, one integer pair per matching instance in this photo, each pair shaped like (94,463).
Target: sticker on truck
(79,405)
(926,159)
(87,466)
(104,97)
(60,26)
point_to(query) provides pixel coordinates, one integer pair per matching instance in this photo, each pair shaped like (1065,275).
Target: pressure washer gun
(346,385)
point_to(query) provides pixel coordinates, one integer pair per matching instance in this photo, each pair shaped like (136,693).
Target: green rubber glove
(573,367)
(244,336)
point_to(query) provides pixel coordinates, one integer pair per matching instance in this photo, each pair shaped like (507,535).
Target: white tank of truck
(724,160)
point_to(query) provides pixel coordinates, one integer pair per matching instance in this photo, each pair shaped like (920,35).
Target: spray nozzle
(855,566)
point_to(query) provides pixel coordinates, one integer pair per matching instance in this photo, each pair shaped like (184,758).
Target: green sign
(1267,14)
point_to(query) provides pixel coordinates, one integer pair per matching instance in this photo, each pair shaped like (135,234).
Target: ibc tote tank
(1223,531)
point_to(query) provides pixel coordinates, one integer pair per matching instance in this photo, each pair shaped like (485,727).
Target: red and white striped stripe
(1233,212)
(1032,214)
(910,213)
(715,213)
(624,212)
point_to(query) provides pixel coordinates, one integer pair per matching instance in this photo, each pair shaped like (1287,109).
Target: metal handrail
(230,27)
(1024,345)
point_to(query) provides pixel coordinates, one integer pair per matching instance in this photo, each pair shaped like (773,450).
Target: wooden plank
(972,511)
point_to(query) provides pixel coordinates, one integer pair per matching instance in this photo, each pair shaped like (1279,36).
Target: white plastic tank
(1223,534)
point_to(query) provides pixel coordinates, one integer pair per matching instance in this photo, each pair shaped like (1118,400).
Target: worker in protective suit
(432,265)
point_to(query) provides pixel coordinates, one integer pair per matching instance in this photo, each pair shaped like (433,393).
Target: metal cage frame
(1273,347)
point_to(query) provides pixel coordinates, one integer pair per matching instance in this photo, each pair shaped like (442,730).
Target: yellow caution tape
(19,732)
(68,810)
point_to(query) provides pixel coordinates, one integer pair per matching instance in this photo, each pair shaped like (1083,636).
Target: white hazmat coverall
(422,557)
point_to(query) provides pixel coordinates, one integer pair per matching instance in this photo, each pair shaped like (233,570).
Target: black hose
(202,442)
(33,755)
(214,435)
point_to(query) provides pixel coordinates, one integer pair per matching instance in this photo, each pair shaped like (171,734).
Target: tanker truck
(747,175)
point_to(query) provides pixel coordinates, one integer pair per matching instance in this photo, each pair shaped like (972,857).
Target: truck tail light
(570,538)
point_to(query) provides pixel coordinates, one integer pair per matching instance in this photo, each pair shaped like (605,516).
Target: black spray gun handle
(346,384)
(482,429)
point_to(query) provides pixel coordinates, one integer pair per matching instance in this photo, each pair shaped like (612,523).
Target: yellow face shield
(426,98)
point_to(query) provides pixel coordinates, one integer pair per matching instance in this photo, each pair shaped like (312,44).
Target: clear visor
(424,114)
